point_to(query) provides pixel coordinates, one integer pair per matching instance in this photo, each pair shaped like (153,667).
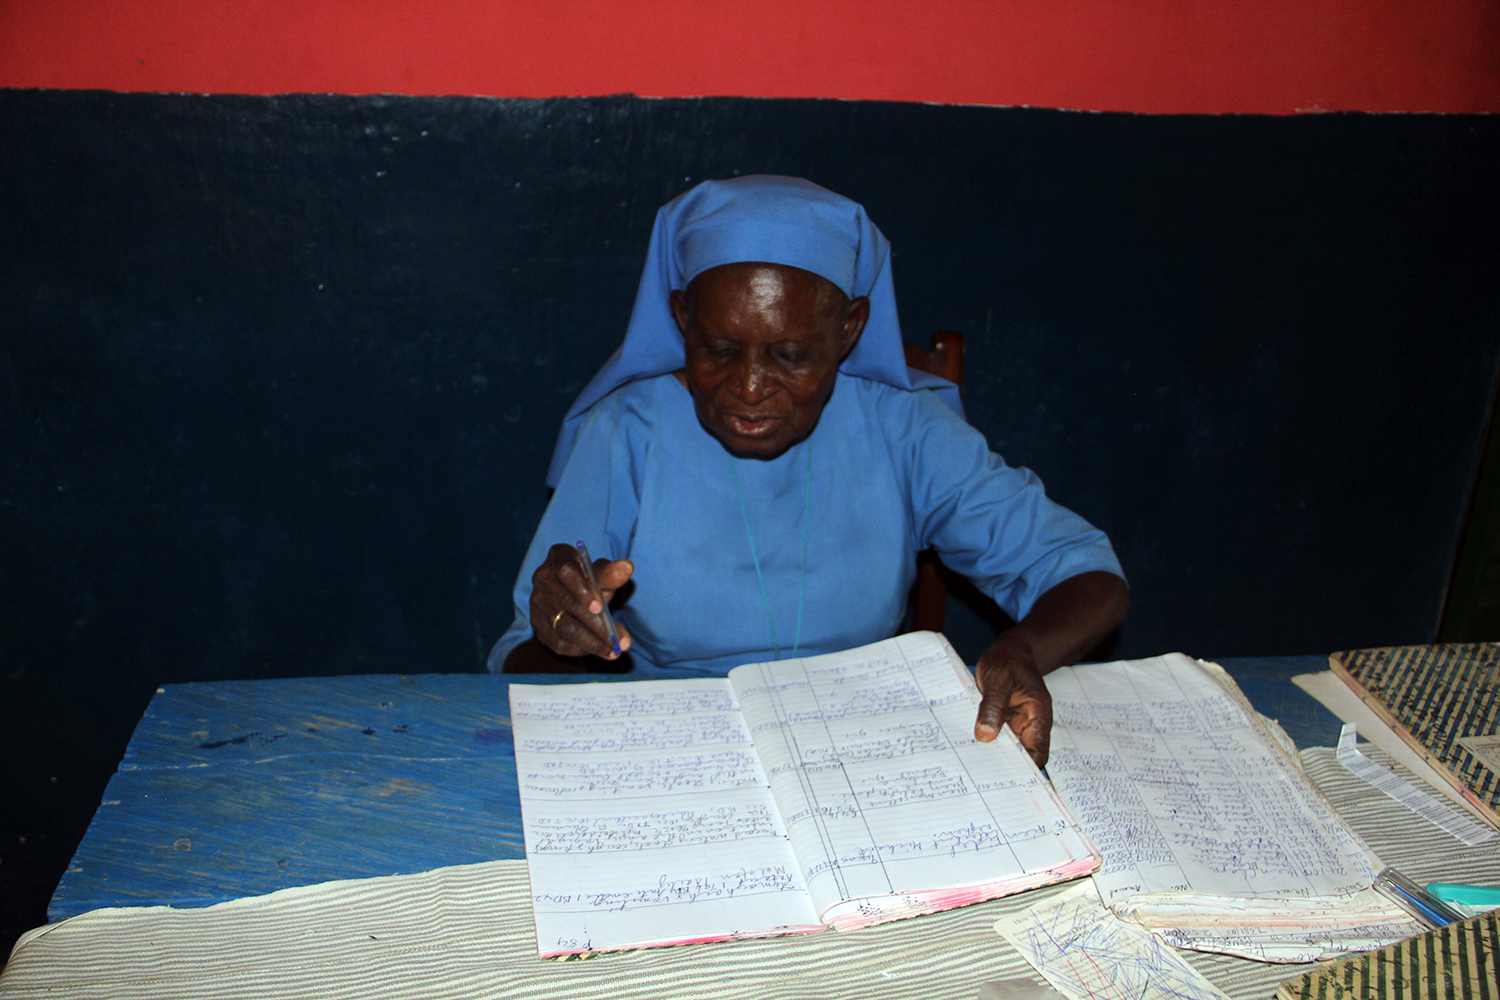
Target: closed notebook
(1444,701)
(830,791)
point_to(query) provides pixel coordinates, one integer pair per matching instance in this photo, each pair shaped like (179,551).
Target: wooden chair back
(946,360)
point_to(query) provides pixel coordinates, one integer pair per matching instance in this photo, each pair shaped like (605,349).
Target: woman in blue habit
(758,461)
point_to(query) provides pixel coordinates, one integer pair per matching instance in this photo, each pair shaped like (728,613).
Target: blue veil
(779,220)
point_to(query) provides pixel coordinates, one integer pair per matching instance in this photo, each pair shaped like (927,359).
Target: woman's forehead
(765,285)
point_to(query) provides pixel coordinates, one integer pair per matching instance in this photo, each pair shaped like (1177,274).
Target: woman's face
(764,343)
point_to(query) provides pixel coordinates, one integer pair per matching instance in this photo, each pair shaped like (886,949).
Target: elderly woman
(757,462)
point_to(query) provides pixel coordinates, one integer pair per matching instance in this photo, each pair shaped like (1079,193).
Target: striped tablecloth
(466,932)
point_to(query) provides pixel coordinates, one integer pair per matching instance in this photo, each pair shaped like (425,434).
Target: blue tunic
(892,471)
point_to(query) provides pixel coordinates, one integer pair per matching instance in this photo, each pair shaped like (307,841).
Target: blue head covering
(778,220)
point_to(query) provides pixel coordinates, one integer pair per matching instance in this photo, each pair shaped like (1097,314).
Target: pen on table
(1415,900)
(609,622)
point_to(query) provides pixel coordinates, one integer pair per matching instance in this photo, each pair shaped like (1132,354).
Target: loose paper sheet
(1486,748)
(1409,795)
(1086,952)
(648,818)
(1333,694)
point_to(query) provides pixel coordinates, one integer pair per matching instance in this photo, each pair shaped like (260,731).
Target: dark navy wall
(279,376)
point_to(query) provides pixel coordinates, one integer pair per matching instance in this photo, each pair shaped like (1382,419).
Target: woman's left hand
(1014,693)
(1063,625)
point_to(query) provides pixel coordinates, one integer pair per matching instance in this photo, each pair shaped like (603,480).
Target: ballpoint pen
(609,622)
(1415,900)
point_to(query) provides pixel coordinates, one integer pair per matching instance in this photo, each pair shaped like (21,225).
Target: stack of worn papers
(1213,837)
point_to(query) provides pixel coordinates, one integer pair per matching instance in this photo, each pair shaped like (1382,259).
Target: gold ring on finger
(555,619)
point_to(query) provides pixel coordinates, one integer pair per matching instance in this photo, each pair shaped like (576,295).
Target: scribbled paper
(1087,953)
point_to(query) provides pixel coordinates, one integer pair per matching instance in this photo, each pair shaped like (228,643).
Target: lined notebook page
(648,819)
(872,758)
(1182,792)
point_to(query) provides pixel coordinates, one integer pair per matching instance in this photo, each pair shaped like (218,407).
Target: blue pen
(1415,900)
(609,623)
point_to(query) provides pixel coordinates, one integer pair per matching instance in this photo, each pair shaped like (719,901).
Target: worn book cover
(1444,700)
(1453,961)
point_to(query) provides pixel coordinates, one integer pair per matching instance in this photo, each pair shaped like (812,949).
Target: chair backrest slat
(945,360)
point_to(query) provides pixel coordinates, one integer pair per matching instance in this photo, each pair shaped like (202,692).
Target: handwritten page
(1184,793)
(885,793)
(648,818)
(1085,951)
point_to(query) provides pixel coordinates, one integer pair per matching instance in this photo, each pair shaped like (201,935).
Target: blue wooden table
(244,787)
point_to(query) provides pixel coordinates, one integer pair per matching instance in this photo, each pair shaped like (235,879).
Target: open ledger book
(841,790)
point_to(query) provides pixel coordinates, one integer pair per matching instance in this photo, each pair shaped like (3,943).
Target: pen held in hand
(609,622)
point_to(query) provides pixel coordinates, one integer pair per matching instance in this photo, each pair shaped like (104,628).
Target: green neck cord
(765,599)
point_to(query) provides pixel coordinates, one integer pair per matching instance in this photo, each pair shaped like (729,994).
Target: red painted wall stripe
(1158,56)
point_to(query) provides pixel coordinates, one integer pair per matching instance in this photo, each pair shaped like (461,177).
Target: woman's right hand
(566,609)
